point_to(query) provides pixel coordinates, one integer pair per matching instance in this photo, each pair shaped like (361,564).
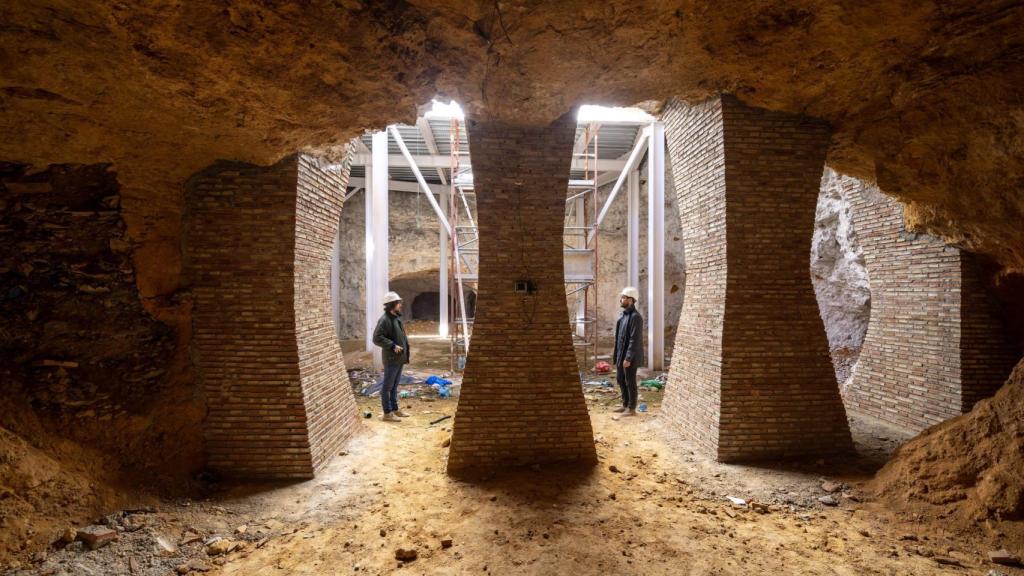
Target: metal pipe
(419,178)
(634,157)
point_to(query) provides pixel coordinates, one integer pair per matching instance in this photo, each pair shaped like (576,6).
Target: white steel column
(376,238)
(633,228)
(442,325)
(656,248)
(580,206)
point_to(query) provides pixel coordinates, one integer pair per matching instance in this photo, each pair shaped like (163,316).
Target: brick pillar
(521,400)
(751,377)
(935,344)
(258,252)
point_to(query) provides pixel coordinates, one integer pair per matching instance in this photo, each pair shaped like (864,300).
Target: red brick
(258,257)
(521,399)
(751,377)
(935,344)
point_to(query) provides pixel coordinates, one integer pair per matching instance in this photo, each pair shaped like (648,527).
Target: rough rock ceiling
(923,96)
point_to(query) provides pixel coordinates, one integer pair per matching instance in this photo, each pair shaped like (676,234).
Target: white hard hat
(631,292)
(392,297)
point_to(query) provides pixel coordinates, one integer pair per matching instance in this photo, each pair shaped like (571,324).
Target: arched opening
(425,306)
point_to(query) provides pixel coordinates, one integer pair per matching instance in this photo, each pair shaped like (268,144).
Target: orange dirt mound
(45,490)
(971,466)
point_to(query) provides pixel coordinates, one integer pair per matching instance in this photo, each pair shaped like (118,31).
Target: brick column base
(521,400)
(258,256)
(751,377)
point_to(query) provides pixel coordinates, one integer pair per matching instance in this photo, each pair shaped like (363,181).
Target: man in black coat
(629,349)
(390,336)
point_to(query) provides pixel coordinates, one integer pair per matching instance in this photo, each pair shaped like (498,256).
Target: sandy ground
(652,506)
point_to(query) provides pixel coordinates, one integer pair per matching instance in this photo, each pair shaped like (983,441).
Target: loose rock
(830,486)
(828,500)
(406,554)
(219,547)
(96,536)
(1004,557)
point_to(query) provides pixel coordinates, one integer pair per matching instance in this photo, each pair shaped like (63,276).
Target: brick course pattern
(752,377)
(935,344)
(521,400)
(258,251)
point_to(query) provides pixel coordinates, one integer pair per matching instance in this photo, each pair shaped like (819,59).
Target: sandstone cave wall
(413,255)
(613,252)
(840,279)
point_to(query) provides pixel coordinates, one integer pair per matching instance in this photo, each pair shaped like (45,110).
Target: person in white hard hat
(629,349)
(390,336)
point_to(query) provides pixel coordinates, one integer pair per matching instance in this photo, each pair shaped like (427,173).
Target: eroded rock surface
(922,96)
(839,276)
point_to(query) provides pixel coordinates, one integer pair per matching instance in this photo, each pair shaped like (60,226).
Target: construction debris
(96,536)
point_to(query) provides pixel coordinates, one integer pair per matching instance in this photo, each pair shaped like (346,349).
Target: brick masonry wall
(756,349)
(331,411)
(521,399)
(258,242)
(696,157)
(987,350)
(934,344)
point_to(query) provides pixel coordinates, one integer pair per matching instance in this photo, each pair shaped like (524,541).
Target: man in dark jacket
(390,336)
(629,349)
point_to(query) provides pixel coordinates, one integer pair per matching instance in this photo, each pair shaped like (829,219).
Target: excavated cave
(109,108)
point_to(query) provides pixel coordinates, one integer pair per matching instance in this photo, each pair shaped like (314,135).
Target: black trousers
(626,378)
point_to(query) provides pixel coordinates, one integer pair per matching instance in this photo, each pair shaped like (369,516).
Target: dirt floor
(652,506)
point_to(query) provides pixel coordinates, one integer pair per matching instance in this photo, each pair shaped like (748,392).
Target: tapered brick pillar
(935,344)
(751,376)
(258,255)
(521,400)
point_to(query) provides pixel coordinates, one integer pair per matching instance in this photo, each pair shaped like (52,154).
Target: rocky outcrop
(77,346)
(839,276)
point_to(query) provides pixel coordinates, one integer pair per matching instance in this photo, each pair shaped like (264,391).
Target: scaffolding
(580,248)
(584,212)
(464,252)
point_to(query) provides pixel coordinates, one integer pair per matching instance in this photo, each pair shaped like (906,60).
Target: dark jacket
(629,338)
(388,334)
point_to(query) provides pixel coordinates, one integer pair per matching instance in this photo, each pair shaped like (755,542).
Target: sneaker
(390,417)
(401,414)
(620,409)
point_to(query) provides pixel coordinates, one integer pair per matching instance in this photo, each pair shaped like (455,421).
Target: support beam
(580,220)
(352,193)
(279,404)
(419,178)
(376,216)
(656,247)
(425,161)
(428,136)
(397,186)
(634,158)
(521,401)
(633,228)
